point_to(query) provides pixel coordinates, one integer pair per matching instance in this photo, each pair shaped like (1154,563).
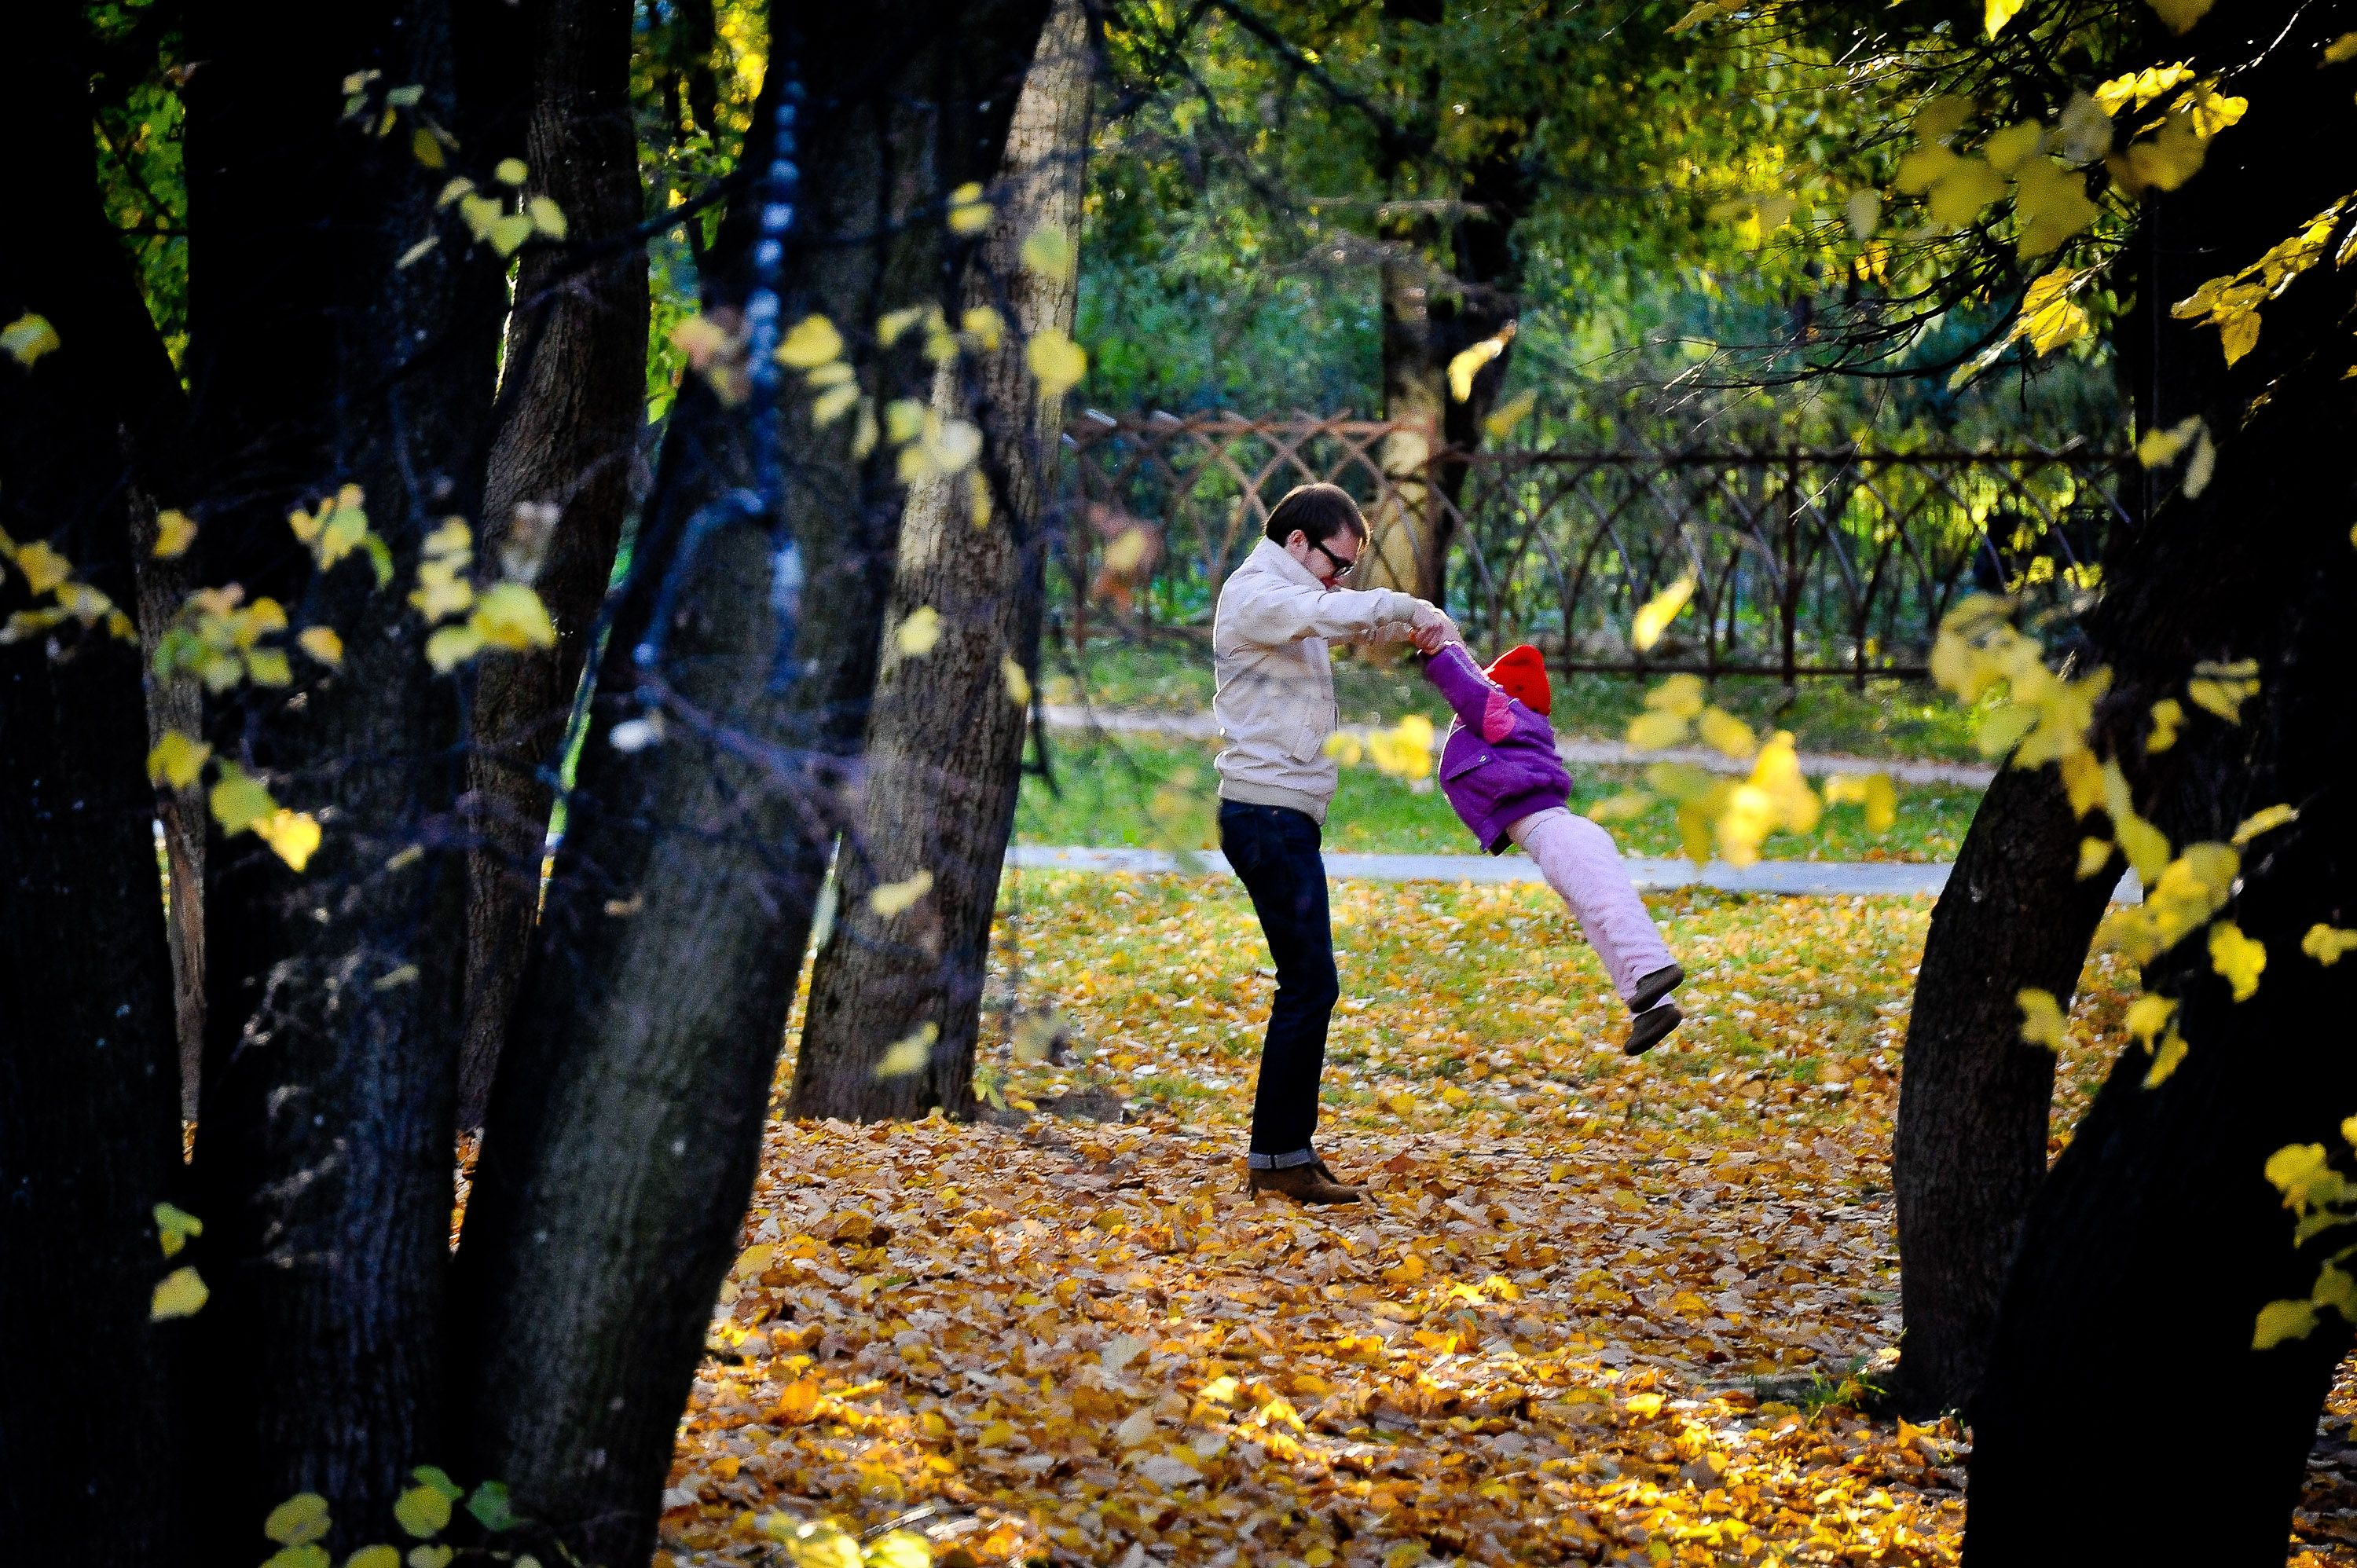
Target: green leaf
(438,1479)
(308,1556)
(174,1226)
(378,1556)
(491,1506)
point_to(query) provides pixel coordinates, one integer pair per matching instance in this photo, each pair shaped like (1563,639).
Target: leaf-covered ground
(1599,1311)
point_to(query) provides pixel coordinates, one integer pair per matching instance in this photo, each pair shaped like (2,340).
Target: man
(1275,708)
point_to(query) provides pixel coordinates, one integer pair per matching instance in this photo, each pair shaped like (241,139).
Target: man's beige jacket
(1276,698)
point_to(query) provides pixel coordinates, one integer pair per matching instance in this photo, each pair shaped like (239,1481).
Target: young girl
(1500,769)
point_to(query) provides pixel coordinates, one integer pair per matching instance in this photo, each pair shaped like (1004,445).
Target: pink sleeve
(1497,717)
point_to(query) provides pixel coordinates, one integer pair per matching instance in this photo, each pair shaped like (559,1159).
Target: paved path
(1814,878)
(1596,753)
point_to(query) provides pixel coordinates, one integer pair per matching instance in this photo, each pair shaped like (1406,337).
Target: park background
(1724,352)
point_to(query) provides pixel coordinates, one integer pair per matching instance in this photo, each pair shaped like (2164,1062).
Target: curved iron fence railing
(1805,561)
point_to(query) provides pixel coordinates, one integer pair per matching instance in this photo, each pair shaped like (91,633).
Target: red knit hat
(1521,672)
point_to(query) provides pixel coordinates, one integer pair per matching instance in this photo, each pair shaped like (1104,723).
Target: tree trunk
(1970,1146)
(945,736)
(323,1158)
(1430,315)
(571,400)
(89,1131)
(625,1122)
(2155,1240)
(2148,1253)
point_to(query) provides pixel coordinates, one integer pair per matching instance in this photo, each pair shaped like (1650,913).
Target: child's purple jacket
(1499,764)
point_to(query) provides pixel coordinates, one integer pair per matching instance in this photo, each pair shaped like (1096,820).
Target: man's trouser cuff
(1260,1162)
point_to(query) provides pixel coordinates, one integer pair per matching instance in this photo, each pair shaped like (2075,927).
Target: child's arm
(1479,706)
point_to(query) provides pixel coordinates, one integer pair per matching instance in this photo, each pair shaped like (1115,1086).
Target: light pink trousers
(1579,862)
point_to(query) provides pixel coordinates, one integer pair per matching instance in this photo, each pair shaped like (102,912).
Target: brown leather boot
(1312,1183)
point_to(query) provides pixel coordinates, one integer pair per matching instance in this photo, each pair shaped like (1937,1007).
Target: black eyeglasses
(1341,565)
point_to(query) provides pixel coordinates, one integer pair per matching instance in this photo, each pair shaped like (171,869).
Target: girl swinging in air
(1500,770)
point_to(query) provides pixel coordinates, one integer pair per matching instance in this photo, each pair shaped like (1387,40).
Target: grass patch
(1159,791)
(1172,673)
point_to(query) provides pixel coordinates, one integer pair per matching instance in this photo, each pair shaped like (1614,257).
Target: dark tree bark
(1430,315)
(625,1122)
(2155,1240)
(945,735)
(1970,1146)
(323,1159)
(2146,1255)
(571,411)
(89,1085)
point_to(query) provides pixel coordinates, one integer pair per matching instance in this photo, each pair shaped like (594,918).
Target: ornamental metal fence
(1805,561)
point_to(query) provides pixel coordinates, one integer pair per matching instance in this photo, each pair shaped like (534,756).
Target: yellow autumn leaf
(909,1054)
(2041,1018)
(1056,362)
(2094,855)
(890,899)
(181,1294)
(423,1511)
(2138,88)
(813,341)
(1995,14)
(509,615)
(2180,14)
(2263,821)
(898,1548)
(1726,734)
(377,1556)
(2147,1015)
(2326,944)
(1018,684)
(1049,253)
(293,836)
(2340,49)
(752,1260)
(2238,958)
(1653,618)
(43,568)
(2222,688)
(1962,191)
(451,646)
(1466,363)
(985,326)
(2166,1060)
(919,633)
(969,213)
(2282,1320)
(1407,1271)
(176,759)
(2007,150)
(322,643)
(299,1520)
(28,338)
(546,216)
(2052,205)
(1501,420)
(175,531)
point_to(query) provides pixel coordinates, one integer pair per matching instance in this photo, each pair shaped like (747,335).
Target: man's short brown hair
(1319,511)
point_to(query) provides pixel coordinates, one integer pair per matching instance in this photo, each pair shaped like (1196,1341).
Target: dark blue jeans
(1275,850)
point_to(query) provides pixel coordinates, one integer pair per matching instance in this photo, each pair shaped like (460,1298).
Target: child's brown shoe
(1312,1183)
(1652,1025)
